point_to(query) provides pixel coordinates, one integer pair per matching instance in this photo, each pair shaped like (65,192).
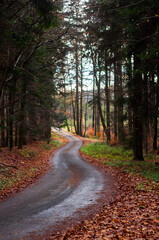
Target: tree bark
(2,124)
(137,108)
(107,94)
(120,103)
(65,106)
(10,120)
(98,83)
(77,93)
(155,120)
(130,113)
(81,98)
(93,112)
(73,110)
(21,130)
(115,100)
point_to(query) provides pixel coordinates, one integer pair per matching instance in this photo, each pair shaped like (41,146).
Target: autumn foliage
(22,167)
(133,214)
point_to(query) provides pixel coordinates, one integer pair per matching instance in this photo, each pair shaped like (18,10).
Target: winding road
(70,185)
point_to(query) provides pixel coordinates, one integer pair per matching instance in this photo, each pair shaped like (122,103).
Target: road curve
(71,184)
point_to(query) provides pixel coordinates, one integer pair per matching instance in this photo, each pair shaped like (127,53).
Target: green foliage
(6,182)
(147,169)
(55,143)
(52,144)
(27,153)
(27,53)
(122,158)
(99,150)
(49,12)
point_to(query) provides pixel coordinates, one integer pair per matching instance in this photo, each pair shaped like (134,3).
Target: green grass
(6,182)
(100,150)
(52,144)
(122,158)
(54,135)
(27,153)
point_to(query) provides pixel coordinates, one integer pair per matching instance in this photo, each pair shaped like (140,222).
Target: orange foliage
(132,215)
(90,133)
(31,162)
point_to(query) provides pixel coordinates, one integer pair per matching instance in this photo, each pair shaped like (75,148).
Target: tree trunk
(98,83)
(137,108)
(120,103)
(65,106)
(99,108)
(10,120)
(21,139)
(16,135)
(73,110)
(155,121)
(85,117)
(155,147)
(95,121)
(130,113)
(93,113)
(115,100)
(81,99)
(77,93)
(2,124)
(107,94)
(145,112)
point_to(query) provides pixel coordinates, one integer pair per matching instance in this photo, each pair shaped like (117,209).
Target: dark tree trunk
(99,112)
(107,94)
(73,110)
(10,120)
(95,121)
(155,121)
(130,113)
(47,128)
(77,93)
(68,128)
(98,83)
(97,118)
(6,130)
(2,124)
(145,111)
(93,113)
(81,99)
(21,132)
(120,104)
(137,110)
(155,147)
(85,117)
(16,135)
(115,102)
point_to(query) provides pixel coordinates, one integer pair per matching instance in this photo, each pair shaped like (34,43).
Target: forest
(79,119)
(89,66)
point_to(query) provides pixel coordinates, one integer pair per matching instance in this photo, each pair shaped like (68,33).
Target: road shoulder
(26,165)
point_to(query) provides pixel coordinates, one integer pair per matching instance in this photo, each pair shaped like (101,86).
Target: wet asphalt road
(71,184)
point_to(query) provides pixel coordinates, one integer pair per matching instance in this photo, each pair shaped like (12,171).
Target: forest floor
(134,214)
(22,167)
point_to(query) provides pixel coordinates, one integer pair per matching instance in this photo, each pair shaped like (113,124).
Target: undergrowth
(118,156)
(6,182)
(52,144)
(26,160)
